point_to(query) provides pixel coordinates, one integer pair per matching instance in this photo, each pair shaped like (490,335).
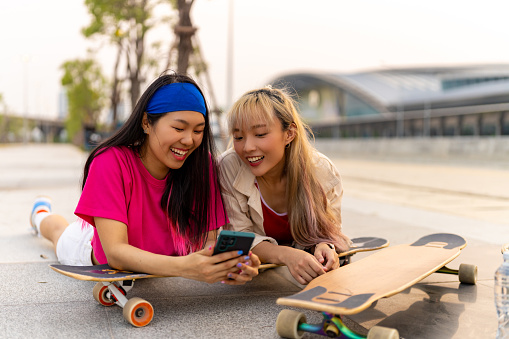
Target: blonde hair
(311,218)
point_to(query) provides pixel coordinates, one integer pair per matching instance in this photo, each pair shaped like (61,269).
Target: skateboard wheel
(505,248)
(101,294)
(138,312)
(467,274)
(378,332)
(287,324)
(332,331)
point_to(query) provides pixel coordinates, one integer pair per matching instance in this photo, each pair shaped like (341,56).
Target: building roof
(388,90)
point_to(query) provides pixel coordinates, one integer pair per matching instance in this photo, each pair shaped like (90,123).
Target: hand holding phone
(234,241)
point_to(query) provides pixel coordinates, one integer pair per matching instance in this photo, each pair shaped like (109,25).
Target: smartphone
(234,241)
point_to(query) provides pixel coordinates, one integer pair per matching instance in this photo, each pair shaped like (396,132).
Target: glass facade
(355,107)
(319,104)
(327,103)
(457,83)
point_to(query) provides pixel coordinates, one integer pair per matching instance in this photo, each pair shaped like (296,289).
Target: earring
(145,131)
(288,145)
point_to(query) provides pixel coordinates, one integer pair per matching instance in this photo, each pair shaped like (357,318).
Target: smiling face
(170,140)
(261,145)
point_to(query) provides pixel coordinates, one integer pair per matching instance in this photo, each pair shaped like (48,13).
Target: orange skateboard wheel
(100,293)
(138,312)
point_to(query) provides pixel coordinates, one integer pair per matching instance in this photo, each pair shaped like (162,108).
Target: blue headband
(179,96)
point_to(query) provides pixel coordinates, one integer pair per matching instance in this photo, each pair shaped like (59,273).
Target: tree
(3,107)
(186,45)
(3,113)
(125,23)
(188,50)
(85,85)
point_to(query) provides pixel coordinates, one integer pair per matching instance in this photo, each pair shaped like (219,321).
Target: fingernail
(239,265)
(222,281)
(246,263)
(210,248)
(246,258)
(230,275)
(240,252)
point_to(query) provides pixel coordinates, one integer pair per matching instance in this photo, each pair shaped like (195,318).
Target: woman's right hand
(303,266)
(203,266)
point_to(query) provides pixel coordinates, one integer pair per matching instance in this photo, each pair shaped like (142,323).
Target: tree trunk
(134,57)
(115,90)
(134,69)
(184,31)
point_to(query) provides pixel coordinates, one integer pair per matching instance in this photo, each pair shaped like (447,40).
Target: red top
(276,224)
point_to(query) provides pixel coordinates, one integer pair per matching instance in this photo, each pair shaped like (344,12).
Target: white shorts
(74,246)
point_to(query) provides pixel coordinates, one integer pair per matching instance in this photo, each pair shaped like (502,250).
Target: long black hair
(192,203)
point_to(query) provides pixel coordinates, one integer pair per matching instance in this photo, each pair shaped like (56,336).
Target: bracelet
(331,246)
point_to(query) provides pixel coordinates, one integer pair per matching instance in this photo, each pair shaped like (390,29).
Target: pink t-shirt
(119,187)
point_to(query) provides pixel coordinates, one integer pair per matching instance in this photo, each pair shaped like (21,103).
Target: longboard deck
(353,288)
(99,273)
(362,244)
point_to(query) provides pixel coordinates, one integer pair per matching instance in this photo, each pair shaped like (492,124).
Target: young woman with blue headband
(150,197)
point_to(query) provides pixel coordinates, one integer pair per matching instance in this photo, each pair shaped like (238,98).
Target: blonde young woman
(276,185)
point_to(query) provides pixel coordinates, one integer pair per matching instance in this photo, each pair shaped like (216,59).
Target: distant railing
(20,129)
(481,120)
(462,149)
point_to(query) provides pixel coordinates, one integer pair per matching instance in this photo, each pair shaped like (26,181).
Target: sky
(270,37)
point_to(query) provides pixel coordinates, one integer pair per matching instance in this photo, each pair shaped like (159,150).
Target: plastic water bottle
(502,297)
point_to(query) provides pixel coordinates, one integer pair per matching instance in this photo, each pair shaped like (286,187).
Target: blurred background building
(404,102)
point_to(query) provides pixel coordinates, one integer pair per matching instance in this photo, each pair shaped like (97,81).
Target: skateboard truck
(136,311)
(292,324)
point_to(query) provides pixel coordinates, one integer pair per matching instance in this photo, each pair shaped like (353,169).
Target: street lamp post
(229,58)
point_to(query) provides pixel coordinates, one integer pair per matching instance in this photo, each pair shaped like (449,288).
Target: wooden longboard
(362,244)
(99,273)
(352,288)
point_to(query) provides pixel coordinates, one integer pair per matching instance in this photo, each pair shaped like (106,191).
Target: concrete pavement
(400,202)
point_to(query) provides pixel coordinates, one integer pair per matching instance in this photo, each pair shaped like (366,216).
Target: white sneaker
(41,204)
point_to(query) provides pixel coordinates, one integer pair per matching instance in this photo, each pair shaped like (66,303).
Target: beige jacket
(242,198)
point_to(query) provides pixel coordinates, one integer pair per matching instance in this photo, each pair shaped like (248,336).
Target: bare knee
(53,226)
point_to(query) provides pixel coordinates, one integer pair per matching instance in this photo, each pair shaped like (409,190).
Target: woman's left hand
(327,256)
(247,271)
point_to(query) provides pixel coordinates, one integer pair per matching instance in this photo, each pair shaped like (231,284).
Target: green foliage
(2,113)
(3,105)
(109,17)
(124,23)
(11,128)
(15,125)
(85,87)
